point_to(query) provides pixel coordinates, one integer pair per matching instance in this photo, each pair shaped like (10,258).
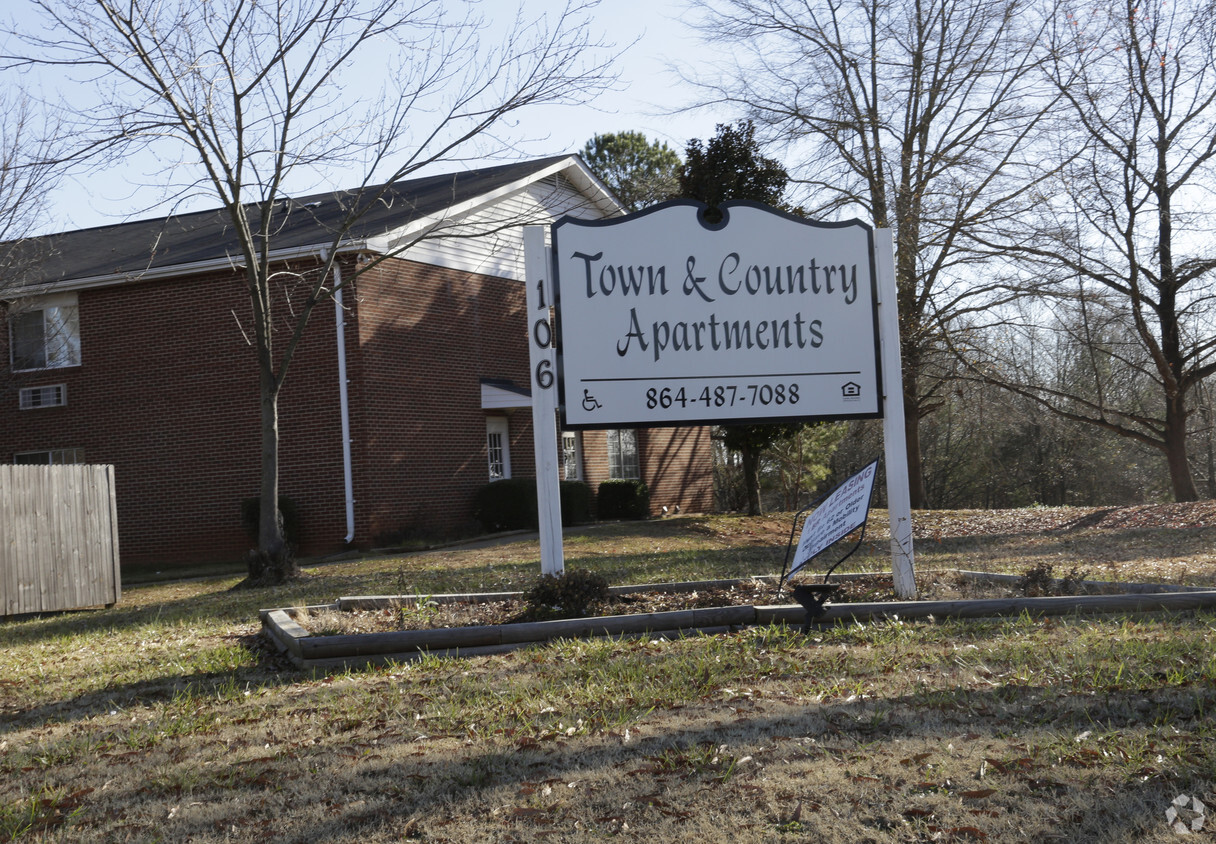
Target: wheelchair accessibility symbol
(589,402)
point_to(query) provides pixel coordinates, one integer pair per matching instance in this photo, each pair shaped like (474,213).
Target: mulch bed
(934,586)
(928,525)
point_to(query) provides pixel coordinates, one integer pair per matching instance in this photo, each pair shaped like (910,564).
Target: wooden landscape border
(351,650)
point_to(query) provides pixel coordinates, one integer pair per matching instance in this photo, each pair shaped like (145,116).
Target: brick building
(130,347)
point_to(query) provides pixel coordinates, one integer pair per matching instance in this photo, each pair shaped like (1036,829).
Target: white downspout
(344,403)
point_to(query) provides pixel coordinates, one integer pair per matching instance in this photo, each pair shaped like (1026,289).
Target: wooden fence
(58,538)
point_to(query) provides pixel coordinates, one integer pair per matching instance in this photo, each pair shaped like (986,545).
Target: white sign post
(899,499)
(544,399)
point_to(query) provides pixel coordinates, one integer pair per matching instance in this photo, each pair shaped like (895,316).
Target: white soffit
(503,396)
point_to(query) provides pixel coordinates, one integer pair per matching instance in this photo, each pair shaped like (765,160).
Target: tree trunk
(751,478)
(917,494)
(272,561)
(911,322)
(1181,479)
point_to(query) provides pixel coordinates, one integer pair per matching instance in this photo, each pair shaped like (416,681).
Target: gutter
(348,485)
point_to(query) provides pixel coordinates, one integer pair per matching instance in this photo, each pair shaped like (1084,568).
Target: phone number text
(728,395)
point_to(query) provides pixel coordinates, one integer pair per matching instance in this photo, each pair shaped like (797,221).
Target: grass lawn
(163,720)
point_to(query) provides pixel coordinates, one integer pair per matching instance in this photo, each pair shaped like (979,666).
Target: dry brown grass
(161,720)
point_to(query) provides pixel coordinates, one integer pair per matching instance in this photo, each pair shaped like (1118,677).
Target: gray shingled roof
(208,235)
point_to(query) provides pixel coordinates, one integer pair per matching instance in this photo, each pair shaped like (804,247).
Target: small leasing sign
(666,319)
(838,515)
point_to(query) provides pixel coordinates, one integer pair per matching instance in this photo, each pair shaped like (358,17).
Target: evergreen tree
(639,172)
(731,166)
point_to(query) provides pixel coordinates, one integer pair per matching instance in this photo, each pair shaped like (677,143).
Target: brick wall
(427,336)
(167,391)
(676,464)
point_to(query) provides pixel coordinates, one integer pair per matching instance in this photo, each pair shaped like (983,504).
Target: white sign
(836,517)
(666,319)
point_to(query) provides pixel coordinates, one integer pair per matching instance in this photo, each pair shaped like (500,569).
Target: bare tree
(28,172)
(1125,233)
(240,98)
(916,115)
(1007,445)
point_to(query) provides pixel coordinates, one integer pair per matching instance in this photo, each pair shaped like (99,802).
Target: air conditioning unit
(54,395)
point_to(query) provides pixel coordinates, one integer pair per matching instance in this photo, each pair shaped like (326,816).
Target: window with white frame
(623,454)
(498,447)
(44,333)
(572,456)
(49,457)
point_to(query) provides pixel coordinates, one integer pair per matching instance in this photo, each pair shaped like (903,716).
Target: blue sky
(645,100)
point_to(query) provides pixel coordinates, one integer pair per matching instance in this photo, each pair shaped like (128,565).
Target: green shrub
(510,504)
(251,514)
(576,502)
(572,594)
(623,499)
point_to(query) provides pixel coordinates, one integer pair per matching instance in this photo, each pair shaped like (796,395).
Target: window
(52,395)
(623,454)
(498,447)
(45,333)
(53,457)
(572,456)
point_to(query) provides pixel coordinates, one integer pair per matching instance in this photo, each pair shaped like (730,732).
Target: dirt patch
(933,586)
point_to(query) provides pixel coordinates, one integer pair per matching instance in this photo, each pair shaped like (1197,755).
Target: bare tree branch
(1139,86)
(919,116)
